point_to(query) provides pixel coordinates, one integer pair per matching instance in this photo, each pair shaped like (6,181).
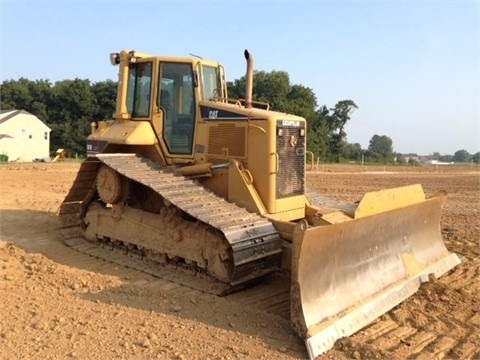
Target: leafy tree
(462,156)
(336,145)
(476,158)
(413,162)
(275,89)
(24,94)
(70,136)
(337,121)
(380,149)
(318,134)
(399,159)
(301,101)
(73,106)
(71,100)
(353,152)
(105,96)
(272,87)
(16,94)
(446,158)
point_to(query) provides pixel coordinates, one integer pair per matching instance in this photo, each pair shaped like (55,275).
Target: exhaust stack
(249,82)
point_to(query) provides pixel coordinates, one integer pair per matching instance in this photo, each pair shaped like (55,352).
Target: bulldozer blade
(346,275)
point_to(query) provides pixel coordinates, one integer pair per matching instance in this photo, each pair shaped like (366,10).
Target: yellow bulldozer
(185,176)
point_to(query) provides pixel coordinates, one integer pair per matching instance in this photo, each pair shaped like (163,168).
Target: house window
(46,135)
(30,136)
(24,132)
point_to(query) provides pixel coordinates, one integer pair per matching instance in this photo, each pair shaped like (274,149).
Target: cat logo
(213,114)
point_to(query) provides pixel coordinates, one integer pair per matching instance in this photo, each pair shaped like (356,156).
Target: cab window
(211,83)
(177,103)
(139,89)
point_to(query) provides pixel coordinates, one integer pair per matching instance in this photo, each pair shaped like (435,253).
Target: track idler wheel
(110,185)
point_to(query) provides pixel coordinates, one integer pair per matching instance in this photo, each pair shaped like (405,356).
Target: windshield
(139,89)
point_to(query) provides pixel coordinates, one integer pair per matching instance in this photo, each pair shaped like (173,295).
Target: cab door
(176,101)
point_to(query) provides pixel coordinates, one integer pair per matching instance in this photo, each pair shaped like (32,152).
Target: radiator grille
(291,171)
(227,140)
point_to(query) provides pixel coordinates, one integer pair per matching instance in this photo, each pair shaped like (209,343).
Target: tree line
(69,106)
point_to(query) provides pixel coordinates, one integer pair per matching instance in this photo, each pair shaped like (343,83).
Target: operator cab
(166,91)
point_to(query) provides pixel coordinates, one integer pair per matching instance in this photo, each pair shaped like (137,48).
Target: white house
(23,136)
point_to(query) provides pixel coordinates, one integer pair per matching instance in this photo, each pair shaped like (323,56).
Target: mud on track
(57,303)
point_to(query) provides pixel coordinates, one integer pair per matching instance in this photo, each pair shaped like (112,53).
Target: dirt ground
(56,303)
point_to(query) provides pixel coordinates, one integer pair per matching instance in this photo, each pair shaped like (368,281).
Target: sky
(412,67)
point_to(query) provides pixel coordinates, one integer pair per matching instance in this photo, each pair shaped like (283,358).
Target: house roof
(6,115)
(6,136)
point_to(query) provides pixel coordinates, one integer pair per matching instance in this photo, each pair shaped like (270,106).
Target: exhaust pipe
(249,78)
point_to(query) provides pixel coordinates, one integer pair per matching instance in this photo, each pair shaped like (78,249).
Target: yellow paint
(126,132)
(241,190)
(412,266)
(336,217)
(377,202)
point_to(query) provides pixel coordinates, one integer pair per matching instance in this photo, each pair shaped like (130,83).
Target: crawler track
(255,244)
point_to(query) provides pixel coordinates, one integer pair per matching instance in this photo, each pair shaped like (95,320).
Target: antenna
(195,56)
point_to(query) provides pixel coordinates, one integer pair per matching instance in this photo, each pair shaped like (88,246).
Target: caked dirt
(56,303)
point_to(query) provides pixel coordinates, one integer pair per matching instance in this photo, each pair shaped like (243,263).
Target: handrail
(277,162)
(313,159)
(241,102)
